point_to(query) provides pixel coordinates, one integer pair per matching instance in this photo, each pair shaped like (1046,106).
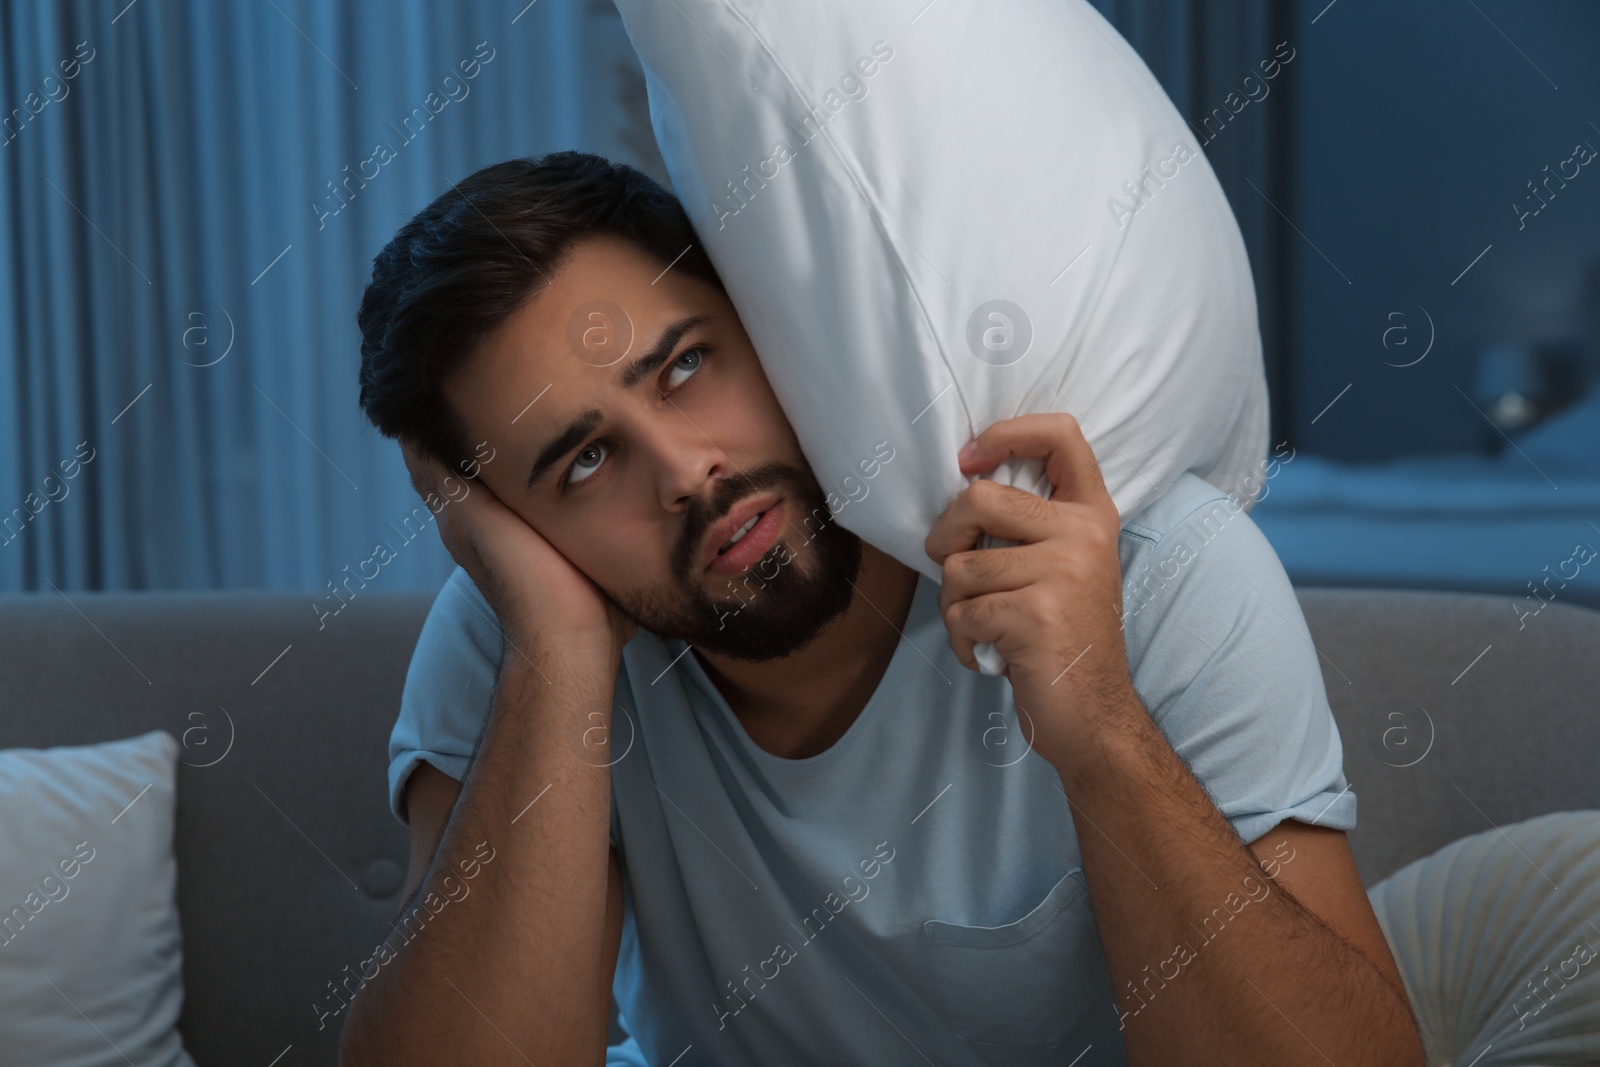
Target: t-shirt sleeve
(449,686)
(625,1054)
(449,690)
(1229,673)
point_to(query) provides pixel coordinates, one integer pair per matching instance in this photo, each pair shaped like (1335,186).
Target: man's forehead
(601,306)
(606,343)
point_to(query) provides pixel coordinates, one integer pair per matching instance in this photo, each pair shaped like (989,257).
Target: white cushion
(90,948)
(973,153)
(1497,936)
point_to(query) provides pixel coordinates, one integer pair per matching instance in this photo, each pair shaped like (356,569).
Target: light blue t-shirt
(913,894)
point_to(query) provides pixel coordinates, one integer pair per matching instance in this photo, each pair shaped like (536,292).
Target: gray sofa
(275,903)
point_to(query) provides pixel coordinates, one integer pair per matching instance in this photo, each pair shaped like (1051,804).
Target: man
(831,839)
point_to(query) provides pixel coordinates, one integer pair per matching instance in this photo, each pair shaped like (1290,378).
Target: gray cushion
(289,863)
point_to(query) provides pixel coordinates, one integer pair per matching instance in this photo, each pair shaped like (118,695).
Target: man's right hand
(540,598)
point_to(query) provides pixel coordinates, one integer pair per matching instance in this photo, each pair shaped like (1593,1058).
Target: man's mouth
(751,527)
(736,538)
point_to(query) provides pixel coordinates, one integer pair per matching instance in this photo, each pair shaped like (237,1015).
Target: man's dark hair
(470,259)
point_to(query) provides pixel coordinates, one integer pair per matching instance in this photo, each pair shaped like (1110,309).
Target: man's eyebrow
(632,374)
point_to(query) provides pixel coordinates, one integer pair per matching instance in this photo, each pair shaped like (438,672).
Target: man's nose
(687,461)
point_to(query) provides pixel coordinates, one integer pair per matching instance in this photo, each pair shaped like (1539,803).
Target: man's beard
(772,608)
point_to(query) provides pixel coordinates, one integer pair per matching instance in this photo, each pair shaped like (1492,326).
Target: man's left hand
(1052,604)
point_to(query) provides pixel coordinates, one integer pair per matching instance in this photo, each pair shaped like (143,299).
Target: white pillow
(90,949)
(951,239)
(1497,936)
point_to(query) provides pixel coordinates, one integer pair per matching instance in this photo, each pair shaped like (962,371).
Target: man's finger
(1001,511)
(1055,437)
(989,570)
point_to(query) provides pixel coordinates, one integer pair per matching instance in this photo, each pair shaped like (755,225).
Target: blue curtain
(190,199)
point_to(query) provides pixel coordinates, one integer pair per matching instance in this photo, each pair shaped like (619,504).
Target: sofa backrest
(290,864)
(1459,713)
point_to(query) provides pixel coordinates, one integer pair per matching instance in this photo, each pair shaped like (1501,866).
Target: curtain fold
(187,232)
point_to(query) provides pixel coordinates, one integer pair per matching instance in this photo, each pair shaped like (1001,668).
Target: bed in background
(1523,522)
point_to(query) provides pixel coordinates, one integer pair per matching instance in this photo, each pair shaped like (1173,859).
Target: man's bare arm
(1275,983)
(1211,963)
(521,903)
(513,963)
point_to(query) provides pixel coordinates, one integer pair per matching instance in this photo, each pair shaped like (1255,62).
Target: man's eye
(573,472)
(695,355)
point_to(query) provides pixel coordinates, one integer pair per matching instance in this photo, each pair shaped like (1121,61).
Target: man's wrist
(1116,744)
(553,656)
